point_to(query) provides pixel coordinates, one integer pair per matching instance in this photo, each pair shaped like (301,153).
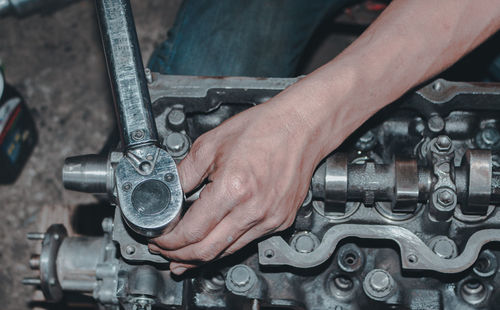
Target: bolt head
(304,244)
(176,142)
(240,279)
(446,197)
(378,284)
(444,247)
(176,118)
(240,276)
(490,136)
(436,123)
(443,143)
(380,281)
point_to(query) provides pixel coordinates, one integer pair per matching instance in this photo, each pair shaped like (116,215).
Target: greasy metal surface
(132,247)
(147,211)
(410,245)
(48,268)
(338,283)
(479,189)
(441,91)
(126,72)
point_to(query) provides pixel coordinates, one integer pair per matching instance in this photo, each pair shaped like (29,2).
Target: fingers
(180,268)
(194,168)
(254,233)
(199,220)
(221,237)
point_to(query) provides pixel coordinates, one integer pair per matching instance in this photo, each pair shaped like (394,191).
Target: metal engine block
(403,215)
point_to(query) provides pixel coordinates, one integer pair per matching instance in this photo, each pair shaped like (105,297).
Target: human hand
(259,165)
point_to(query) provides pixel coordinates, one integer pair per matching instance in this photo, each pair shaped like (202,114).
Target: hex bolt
(443,246)
(378,284)
(443,143)
(240,276)
(435,123)
(304,242)
(443,204)
(490,136)
(445,197)
(176,119)
(366,141)
(35,236)
(177,144)
(240,279)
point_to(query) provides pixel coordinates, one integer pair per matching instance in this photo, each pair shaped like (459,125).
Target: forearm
(409,43)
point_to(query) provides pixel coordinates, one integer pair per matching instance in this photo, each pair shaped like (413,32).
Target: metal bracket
(415,254)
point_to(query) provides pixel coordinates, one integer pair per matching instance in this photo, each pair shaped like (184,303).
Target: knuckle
(240,186)
(206,254)
(256,215)
(193,235)
(273,223)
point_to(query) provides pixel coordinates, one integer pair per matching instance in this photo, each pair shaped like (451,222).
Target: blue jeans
(261,38)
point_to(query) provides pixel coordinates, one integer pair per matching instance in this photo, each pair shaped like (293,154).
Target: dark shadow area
(87,218)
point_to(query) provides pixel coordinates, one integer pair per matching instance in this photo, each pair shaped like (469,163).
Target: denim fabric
(263,38)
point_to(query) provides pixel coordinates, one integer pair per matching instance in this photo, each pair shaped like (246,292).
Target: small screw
(169,177)
(138,135)
(127,186)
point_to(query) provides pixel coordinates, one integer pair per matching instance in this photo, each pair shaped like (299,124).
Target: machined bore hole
(483,264)
(350,258)
(343,283)
(130,249)
(412,258)
(145,167)
(474,292)
(269,253)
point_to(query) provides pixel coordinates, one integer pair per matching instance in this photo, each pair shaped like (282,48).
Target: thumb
(196,166)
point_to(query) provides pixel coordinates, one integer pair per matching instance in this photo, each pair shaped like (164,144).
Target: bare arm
(260,162)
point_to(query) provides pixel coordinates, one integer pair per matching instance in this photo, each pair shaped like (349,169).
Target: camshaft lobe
(404,183)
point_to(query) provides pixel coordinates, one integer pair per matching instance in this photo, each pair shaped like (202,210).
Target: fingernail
(179,270)
(154,251)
